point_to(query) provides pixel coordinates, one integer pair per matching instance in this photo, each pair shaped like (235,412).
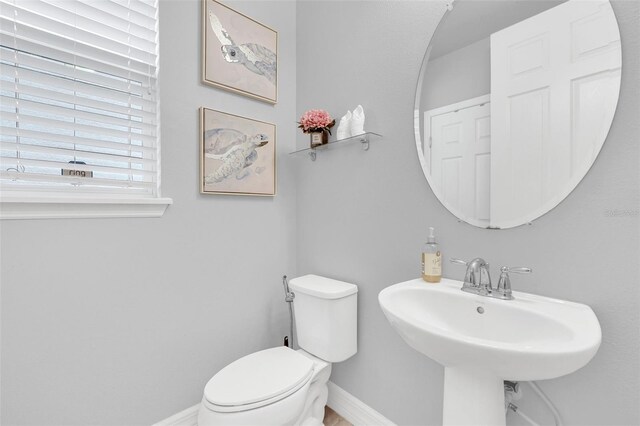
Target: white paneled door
(555,79)
(459,156)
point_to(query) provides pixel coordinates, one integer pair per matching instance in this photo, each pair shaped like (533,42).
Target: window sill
(66,208)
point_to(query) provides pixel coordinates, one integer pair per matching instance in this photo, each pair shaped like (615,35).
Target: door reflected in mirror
(514,102)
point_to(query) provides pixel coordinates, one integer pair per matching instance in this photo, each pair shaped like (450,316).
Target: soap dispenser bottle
(431,259)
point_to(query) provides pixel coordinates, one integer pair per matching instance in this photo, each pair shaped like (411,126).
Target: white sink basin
(528,338)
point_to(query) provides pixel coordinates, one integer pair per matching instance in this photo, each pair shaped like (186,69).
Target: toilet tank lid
(322,287)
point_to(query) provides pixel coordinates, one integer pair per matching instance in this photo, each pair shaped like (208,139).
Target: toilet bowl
(282,386)
(277,386)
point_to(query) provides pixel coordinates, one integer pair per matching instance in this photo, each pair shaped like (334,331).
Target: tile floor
(331,418)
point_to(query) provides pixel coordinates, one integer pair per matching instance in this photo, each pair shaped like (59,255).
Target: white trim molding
(66,208)
(342,402)
(188,417)
(353,410)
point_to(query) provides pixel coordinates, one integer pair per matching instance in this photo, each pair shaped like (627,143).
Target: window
(79,108)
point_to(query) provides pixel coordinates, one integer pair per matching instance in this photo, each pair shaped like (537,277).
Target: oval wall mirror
(514,102)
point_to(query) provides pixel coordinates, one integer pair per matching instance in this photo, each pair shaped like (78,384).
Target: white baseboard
(353,410)
(188,417)
(342,402)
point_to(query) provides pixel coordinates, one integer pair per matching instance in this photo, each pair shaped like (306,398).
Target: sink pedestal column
(472,397)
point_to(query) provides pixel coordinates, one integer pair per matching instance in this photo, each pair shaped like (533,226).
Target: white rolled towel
(357,121)
(344,128)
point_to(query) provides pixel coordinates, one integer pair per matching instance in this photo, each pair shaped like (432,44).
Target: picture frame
(239,54)
(237,154)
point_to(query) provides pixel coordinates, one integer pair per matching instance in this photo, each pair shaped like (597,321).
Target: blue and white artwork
(238,155)
(240,54)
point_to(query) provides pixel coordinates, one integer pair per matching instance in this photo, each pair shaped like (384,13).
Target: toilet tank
(325,313)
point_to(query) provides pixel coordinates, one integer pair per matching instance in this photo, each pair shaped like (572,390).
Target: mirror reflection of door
(460,156)
(506,158)
(555,80)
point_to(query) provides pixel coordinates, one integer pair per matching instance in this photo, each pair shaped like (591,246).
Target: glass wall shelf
(363,139)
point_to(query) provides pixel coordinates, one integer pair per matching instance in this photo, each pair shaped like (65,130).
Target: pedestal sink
(482,341)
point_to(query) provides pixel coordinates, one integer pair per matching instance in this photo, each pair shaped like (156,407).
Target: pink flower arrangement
(316,120)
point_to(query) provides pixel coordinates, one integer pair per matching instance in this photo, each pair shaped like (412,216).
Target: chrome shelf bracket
(364,140)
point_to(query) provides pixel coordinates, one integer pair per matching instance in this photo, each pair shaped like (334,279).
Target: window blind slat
(48,138)
(43,65)
(78,85)
(111,15)
(57,125)
(81,88)
(60,19)
(145,8)
(79,154)
(71,112)
(119,17)
(72,51)
(129,110)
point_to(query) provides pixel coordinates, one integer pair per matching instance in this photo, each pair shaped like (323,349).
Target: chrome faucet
(478,281)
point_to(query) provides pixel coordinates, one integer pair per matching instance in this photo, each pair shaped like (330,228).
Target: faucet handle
(504,283)
(516,269)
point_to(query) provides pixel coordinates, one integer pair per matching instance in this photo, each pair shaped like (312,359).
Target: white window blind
(79,93)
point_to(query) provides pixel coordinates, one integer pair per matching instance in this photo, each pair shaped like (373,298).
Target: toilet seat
(258,379)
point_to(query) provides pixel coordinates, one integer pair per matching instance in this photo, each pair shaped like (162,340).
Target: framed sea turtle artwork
(239,53)
(237,155)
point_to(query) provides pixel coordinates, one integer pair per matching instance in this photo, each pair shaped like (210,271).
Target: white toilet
(281,386)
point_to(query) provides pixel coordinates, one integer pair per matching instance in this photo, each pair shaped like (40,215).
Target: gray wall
(362,217)
(478,19)
(457,76)
(122,321)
